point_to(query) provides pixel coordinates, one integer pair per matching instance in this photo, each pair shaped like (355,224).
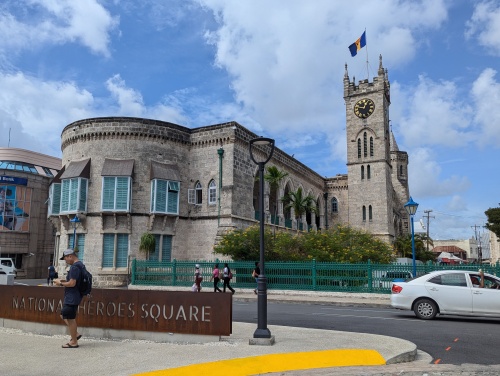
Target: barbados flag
(359,44)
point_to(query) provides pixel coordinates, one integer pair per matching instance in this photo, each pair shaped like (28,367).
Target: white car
(449,292)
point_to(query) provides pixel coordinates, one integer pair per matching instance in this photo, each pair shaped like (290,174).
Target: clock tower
(374,203)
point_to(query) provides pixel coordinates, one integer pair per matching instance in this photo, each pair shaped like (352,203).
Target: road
(448,339)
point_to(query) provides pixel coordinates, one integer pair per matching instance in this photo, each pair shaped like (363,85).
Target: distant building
(25,234)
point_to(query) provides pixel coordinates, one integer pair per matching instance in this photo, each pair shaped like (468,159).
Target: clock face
(364,108)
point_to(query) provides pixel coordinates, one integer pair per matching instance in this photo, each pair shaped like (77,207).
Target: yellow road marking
(279,363)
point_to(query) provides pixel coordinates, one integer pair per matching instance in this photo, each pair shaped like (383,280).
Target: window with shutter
(73,195)
(115,193)
(115,250)
(212,193)
(55,199)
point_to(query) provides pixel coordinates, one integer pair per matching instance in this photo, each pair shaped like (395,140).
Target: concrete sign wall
(152,311)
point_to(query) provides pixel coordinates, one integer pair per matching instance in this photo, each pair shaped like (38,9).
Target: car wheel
(425,309)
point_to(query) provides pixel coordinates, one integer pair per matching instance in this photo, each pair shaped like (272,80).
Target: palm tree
(274,177)
(300,204)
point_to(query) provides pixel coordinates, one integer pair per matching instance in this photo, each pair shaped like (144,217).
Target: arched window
(335,205)
(368,172)
(371,146)
(362,172)
(370,214)
(359,148)
(212,192)
(364,213)
(365,146)
(199,193)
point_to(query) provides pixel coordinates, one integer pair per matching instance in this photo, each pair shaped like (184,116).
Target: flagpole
(367,69)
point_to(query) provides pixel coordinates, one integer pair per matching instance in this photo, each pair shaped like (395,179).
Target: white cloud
(484,26)
(37,111)
(56,22)
(432,113)
(486,95)
(425,176)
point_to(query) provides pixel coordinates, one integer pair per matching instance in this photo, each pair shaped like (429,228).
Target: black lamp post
(411,208)
(74,222)
(261,151)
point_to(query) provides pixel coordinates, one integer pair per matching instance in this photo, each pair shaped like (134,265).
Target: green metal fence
(311,276)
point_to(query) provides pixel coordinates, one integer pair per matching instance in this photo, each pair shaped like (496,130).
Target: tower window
(365,147)
(368,172)
(364,213)
(362,172)
(370,217)
(335,205)
(371,146)
(359,148)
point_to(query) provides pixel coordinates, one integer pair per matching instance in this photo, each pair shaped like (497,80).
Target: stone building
(123,177)
(25,234)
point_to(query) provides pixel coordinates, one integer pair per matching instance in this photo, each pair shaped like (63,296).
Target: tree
(493,224)
(402,246)
(337,244)
(274,177)
(148,243)
(299,203)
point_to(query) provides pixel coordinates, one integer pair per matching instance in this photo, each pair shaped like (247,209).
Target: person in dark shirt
(72,297)
(255,274)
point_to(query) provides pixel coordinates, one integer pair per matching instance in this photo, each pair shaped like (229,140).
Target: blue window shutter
(122,193)
(83,195)
(108,193)
(65,196)
(122,250)
(161,196)
(108,250)
(166,249)
(173,197)
(80,240)
(153,196)
(55,198)
(153,256)
(73,194)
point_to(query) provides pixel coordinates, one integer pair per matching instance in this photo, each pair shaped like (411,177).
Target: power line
(460,216)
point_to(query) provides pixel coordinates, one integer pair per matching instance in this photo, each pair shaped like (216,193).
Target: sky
(275,67)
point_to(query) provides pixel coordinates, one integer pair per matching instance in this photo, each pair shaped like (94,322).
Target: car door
(486,300)
(451,293)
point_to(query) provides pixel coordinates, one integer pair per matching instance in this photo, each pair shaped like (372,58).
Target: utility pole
(478,243)
(428,216)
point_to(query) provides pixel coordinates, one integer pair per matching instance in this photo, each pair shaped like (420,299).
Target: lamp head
(265,146)
(411,206)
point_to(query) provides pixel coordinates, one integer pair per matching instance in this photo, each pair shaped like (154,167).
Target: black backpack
(84,284)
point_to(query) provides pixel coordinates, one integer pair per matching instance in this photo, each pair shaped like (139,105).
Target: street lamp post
(74,222)
(261,151)
(411,208)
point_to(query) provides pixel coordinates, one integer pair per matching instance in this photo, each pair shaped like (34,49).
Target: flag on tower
(359,44)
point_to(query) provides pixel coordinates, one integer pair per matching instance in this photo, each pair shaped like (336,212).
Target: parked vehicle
(449,292)
(7,266)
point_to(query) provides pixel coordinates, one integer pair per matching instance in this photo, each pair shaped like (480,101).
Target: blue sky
(276,67)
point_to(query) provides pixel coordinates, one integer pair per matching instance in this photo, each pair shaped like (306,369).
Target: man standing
(72,296)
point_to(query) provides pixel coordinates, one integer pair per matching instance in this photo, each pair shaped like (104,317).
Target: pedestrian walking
(227,278)
(255,274)
(72,296)
(51,275)
(215,278)
(197,277)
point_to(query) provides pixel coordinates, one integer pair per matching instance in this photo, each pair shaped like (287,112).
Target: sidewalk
(297,351)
